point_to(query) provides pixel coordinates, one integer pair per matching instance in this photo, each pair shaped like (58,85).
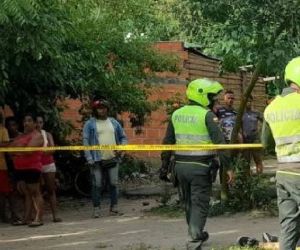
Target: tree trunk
(245,96)
(238,125)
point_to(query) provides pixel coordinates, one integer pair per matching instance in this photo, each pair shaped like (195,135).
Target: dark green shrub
(250,191)
(131,167)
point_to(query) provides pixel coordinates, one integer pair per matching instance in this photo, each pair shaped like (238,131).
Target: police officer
(283,117)
(195,123)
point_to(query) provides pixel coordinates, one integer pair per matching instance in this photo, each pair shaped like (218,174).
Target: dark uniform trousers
(288,197)
(195,185)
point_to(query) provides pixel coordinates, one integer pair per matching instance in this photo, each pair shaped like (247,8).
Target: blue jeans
(112,178)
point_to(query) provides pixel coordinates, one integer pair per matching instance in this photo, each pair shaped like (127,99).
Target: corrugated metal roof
(196,49)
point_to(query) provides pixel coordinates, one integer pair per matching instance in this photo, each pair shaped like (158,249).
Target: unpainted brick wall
(167,84)
(154,129)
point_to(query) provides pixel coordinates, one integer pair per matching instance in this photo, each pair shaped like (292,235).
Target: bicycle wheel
(65,181)
(82,182)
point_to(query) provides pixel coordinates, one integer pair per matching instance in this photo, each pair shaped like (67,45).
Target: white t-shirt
(106,136)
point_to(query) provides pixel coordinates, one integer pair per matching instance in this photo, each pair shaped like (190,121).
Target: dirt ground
(135,230)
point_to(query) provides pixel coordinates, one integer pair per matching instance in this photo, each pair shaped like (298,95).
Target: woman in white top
(48,168)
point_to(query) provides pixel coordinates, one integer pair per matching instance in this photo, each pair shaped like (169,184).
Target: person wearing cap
(101,129)
(195,123)
(282,117)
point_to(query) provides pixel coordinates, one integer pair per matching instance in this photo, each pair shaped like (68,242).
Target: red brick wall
(191,66)
(155,126)
(154,129)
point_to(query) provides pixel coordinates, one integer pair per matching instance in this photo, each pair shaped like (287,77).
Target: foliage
(274,88)
(245,32)
(130,166)
(168,211)
(251,192)
(173,103)
(269,142)
(57,49)
(218,208)
(168,26)
(264,34)
(240,248)
(248,192)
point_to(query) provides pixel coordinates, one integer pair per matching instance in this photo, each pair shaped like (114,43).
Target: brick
(162,133)
(155,128)
(177,46)
(157,124)
(140,135)
(157,115)
(169,45)
(151,141)
(129,132)
(155,154)
(152,133)
(183,55)
(136,141)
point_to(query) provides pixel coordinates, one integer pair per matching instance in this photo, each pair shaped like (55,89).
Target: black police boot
(194,245)
(204,236)
(197,244)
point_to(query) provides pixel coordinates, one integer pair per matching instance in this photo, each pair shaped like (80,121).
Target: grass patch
(241,248)
(141,246)
(167,211)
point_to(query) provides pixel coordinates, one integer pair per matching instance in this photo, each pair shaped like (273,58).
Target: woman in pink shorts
(48,168)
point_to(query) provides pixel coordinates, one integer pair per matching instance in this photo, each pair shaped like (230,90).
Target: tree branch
(245,96)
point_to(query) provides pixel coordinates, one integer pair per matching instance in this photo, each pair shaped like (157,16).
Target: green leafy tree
(264,34)
(51,50)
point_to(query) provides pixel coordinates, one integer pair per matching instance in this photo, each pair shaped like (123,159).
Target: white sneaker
(96,213)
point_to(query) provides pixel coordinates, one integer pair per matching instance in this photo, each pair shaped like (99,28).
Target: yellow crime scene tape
(146,147)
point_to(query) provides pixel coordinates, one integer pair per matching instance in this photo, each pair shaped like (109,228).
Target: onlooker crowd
(250,132)
(24,176)
(23,173)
